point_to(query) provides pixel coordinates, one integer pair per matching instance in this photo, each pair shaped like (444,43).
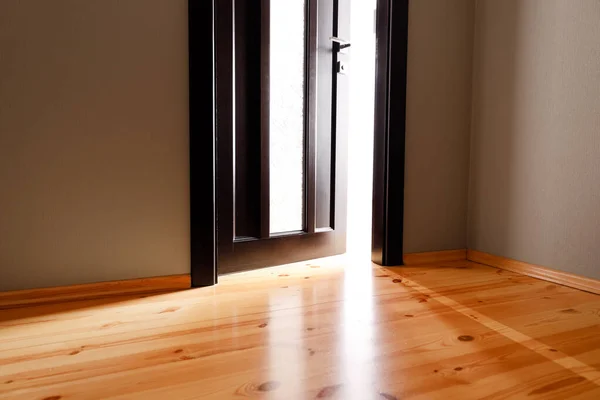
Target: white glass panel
(287,115)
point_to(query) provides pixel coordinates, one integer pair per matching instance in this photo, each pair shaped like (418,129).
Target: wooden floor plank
(328,329)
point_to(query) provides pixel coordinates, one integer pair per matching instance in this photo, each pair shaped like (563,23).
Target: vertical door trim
(390,132)
(310,112)
(203,205)
(265,107)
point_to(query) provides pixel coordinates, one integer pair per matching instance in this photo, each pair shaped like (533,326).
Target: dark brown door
(281,130)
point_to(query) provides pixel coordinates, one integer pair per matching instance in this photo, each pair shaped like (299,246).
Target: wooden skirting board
(433,257)
(22,298)
(536,271)
(61,294)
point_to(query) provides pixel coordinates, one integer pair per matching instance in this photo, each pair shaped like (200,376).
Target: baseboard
(91,291)
(536,271)
(433,257)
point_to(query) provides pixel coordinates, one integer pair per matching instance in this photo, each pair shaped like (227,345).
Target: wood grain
(433,257)
(536,271)
(340,328)
(61,294)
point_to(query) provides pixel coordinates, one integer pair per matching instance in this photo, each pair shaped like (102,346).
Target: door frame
(389,132)
(387,246)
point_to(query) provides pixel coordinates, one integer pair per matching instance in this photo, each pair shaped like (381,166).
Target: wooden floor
(329,330)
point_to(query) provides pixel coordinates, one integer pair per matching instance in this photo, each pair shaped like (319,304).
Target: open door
(281,140)
(268,132)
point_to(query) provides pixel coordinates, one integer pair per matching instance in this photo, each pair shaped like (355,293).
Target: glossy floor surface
(331,329)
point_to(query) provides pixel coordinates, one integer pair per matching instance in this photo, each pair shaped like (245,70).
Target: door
(281,130)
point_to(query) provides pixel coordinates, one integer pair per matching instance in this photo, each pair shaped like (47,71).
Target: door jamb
(390,132)
(203,202)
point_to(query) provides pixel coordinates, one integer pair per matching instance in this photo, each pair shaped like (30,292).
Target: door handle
(342,44)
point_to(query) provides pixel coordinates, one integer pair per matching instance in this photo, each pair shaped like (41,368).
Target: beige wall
(93,141)
(535,173)
(438,124)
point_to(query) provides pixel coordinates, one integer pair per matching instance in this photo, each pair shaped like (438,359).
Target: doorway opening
(361,126)
(286,116)
(346,103)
